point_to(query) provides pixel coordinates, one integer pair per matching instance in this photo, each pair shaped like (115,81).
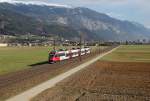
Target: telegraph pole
(99,47)
(80,46)
(54,44)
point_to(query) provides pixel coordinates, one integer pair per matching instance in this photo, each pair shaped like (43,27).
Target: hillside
(20,19)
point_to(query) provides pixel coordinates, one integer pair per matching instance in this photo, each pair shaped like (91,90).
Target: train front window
(51,55)
(56,55)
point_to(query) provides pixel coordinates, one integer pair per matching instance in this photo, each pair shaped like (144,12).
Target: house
(3,44)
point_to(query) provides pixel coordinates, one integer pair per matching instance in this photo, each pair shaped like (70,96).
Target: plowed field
(104,81)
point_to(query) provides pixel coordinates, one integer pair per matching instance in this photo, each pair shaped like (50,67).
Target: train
(60,55)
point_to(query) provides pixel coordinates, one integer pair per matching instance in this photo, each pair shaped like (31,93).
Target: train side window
(57,55)
(62,54)
(67,55)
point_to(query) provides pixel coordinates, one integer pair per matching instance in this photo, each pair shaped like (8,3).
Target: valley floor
(123,75)
(14,83)
(104,81)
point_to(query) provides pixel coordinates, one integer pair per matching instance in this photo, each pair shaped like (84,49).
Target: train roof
(64,50)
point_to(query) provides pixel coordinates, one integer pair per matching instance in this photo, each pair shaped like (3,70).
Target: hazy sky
(132,10)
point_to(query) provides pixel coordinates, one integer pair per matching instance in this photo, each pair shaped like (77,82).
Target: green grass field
(130,53)
(14,59)
(18,58)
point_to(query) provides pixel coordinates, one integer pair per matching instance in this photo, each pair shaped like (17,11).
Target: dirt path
(27,95)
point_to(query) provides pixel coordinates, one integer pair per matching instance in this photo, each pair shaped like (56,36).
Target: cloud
(101,1)
(5,0)
(36,2)
(105,0)
(116,15)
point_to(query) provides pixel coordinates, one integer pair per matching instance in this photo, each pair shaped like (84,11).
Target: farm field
(109,79)
(18,58)
(21,80)
(130,53)
(13,59)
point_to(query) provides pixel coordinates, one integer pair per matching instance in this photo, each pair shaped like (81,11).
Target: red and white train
(55,56)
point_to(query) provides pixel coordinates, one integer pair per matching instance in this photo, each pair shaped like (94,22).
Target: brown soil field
(14,83)
(103,81)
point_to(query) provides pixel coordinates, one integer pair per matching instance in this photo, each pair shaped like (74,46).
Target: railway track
(7,81)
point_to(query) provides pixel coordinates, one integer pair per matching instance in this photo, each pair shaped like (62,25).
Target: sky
(132,10)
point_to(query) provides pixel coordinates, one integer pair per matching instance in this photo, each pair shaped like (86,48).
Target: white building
(3,44)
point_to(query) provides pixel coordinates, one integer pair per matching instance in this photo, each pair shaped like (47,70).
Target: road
(27,95)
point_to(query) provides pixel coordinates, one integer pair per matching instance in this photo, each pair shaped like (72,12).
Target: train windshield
(51,55)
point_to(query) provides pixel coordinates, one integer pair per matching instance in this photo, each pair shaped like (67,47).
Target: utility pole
(54,44)
(99,47)
(83,42)
(80,46)
(81,38)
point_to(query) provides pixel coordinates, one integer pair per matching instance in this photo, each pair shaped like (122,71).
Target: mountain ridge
(64,22)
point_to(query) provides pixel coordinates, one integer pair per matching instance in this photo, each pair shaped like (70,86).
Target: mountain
(21,19)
